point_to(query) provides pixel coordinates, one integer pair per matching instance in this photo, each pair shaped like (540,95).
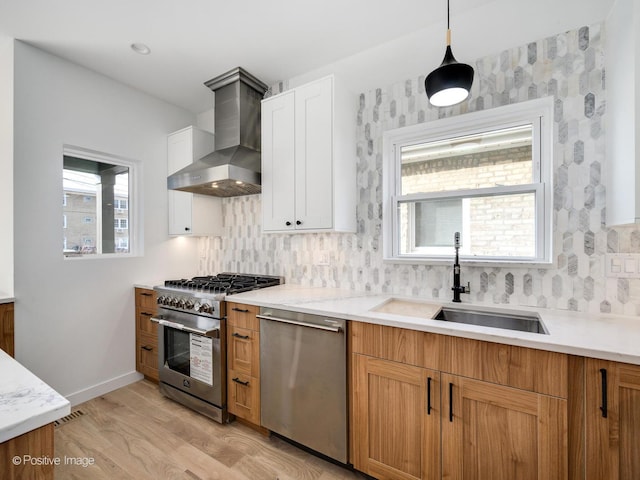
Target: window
(121,224)
(95,185)
(486,175)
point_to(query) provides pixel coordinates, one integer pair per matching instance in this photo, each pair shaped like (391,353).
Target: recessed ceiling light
(140,48)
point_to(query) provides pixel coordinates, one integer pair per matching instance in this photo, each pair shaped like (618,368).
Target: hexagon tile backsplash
(569,67)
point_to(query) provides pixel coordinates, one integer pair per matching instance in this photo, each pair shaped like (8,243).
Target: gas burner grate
(226,283)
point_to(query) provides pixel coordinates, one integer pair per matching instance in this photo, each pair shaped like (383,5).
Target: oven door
(190,356)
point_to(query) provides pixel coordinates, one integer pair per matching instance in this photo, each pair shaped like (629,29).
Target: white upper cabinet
(623,114)
(191,214)
(309,159)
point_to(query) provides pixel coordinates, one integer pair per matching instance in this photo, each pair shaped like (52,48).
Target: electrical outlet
(321,258)
(622,265)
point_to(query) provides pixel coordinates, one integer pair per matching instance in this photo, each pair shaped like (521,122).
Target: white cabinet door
(314,156)
(191,214)
(309,160)
(278,191)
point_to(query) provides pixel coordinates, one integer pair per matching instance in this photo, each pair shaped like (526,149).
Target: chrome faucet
(457,289)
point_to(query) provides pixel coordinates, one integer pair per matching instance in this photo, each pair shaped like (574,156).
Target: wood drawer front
(244,351)
(145,325)
(520,367)
(147,355)
(146,300)
(398,344)
(244,396)
(243,316)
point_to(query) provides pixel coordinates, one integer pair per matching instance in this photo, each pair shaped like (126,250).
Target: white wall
(75,318)
(6,166)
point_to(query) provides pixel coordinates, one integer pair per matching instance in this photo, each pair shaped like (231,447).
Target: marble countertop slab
(148,285)
(6,299)
(604,336)
(26,402)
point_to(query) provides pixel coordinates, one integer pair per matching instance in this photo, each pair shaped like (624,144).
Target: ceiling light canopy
(140,48)
(451,82)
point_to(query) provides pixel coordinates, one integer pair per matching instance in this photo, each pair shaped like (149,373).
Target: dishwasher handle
(301,324)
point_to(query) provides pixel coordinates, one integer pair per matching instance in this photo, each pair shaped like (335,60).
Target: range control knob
(206,308)
(173,301)
(160,300)
(188,305)
(197,306)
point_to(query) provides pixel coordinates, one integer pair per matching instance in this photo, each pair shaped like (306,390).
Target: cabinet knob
(298,222)
(186,229)
(288,224)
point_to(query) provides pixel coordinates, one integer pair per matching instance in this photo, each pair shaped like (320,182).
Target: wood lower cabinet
(243,362)
(146,333)
(396,419)
(6,328)
(501,433)
(427,406)
(38,444)
(612,407)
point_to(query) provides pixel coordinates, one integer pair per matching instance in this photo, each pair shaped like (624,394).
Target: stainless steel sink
(520,322)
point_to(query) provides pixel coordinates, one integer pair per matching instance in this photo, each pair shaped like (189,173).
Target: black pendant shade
(451,82)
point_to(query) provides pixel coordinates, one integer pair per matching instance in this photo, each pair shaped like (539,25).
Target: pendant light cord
(448,28)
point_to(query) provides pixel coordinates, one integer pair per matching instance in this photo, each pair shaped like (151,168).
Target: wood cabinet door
(495,432)
(278,158)
(396,424)
(314,155)
(612,420)
(7,342)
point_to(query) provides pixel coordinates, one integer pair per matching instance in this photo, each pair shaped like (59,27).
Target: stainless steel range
(192,338)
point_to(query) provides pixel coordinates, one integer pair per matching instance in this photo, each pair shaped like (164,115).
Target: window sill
(469,263)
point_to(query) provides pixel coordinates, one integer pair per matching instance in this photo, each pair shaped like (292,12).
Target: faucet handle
(456,240)
(466,289)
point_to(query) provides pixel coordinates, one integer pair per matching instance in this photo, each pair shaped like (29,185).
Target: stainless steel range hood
(233,169)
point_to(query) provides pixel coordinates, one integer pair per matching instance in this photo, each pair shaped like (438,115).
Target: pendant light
(451,81)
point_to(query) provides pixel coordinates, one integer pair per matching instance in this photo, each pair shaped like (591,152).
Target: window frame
(134,201)
(538,113)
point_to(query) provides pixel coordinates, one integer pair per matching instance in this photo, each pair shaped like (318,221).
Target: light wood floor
(135,433)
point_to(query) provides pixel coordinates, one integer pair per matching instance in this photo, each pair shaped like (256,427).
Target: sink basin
(410,308)
(520,322)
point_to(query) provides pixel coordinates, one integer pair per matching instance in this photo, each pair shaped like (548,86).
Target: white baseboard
(102,388)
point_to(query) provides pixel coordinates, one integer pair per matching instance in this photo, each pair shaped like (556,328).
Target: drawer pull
(241,310)
(243,337)
(145,294)
(429,395)
(146,314)
(237,380)
(147,348)
(604,407)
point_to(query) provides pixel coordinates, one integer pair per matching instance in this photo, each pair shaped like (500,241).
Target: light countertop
(26,402)
(5,298)
(604,336)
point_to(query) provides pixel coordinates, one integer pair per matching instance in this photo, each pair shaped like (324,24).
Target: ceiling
(193,41)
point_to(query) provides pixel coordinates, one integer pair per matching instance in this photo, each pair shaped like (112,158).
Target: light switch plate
(622,265)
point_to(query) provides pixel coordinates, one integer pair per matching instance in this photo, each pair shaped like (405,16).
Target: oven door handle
(215,333)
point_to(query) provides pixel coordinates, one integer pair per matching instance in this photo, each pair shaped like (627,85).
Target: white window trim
(538,113)
(135,199)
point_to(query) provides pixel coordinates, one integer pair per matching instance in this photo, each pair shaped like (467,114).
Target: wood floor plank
(136,433)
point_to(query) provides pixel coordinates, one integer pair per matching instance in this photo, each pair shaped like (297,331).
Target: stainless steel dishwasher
(303,377)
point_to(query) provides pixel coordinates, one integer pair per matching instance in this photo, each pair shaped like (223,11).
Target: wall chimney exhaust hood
(234,168)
